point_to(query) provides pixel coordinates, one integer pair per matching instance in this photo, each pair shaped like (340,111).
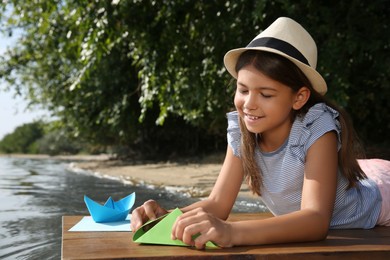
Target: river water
(36,193)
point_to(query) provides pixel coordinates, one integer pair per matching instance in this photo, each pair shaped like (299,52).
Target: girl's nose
(250,102)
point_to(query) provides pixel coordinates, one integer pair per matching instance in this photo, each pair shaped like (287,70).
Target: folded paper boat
(111,211)
(158,231)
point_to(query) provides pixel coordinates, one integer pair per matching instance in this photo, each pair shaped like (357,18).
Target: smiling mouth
(251,117)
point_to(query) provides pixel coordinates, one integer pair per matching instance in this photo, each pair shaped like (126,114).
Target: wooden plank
(348,244)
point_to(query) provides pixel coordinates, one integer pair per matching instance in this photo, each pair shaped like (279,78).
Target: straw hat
(290,40)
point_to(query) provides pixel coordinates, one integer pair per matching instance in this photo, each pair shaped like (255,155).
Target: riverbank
(76,158)
(194,178)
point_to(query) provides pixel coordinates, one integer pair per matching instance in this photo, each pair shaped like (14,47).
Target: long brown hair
(283,70)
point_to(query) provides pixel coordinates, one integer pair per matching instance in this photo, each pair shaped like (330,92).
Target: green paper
(158,231)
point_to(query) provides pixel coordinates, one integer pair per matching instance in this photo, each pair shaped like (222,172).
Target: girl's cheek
(238,102)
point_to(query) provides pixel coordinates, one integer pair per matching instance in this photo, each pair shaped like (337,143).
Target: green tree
(151,72)
(58,142)
(23,139)
(354,53)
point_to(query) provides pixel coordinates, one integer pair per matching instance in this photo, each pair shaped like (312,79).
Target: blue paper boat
(111,211)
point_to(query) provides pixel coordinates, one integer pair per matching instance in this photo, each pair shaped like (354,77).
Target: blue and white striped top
(283,171)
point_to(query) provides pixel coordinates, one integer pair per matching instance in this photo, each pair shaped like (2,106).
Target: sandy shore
(195,179)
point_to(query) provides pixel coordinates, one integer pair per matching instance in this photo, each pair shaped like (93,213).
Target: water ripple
(35,194)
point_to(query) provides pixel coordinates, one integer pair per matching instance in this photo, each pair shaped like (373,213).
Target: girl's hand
(148,211)
(204,226)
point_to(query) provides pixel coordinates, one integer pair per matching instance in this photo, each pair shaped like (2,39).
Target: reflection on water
(35,194)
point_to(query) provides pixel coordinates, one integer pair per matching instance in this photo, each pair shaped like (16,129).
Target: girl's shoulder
(319,120)
(321,114)
(232,118)
(234,133)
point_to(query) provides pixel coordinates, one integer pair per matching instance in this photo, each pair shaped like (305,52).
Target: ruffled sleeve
(234,133)
(319,120)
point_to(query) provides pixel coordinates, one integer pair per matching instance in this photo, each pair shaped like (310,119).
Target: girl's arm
(311,222)
(218,204)
(224,193)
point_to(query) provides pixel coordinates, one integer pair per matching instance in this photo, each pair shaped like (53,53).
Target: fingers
(150,207)
(183,221)
(197,227)
(148,211)
(136,218)
(204,237)
(197,234)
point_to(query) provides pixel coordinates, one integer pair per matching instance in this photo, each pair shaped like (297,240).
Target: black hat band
(279,45)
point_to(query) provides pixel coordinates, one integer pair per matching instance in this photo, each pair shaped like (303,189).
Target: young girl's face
(264,104)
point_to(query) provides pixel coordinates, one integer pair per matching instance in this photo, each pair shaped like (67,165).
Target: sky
(13,111)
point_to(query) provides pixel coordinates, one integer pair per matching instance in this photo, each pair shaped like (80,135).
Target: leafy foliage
(23,139)
(58,142)
(148,73)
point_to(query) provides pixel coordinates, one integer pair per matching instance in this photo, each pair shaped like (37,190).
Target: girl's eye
(265,95)
(242,91)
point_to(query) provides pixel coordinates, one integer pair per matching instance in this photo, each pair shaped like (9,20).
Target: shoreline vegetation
(193,177)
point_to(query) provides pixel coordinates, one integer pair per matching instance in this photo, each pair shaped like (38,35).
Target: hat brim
(314,77)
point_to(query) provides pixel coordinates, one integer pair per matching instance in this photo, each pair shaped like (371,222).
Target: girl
(295,149)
